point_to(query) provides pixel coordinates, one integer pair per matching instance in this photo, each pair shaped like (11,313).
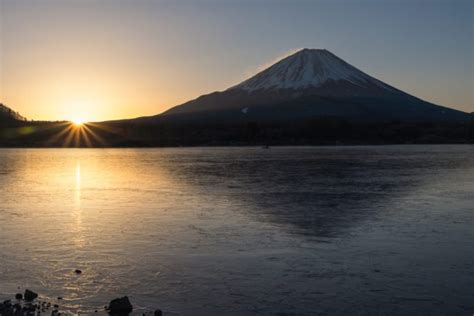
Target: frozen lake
(242,231)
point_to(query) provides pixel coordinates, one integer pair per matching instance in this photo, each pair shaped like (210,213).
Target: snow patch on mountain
(305,69)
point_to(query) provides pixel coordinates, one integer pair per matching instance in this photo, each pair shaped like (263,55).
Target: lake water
(242,231)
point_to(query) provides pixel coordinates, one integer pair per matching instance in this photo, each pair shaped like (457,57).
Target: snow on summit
(307,68)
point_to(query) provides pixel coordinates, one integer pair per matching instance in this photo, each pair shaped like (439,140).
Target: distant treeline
(317,131)
(8,114)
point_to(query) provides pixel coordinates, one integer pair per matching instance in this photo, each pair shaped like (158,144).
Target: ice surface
(383,230)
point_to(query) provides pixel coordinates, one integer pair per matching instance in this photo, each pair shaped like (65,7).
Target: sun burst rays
(80,134)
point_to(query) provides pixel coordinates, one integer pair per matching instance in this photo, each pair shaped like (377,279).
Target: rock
(158,312)
(77,271)
(120,306)
(19,296)
(30,295)
(17,310)
(28,308)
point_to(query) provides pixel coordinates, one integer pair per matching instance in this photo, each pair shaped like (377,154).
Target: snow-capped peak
(305,69)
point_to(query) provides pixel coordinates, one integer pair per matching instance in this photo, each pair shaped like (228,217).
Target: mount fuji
(308,84)
(308,68)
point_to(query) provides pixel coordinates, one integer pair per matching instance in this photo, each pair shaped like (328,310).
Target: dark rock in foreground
(120,306)
(18,309)
(30,305)
(30,295)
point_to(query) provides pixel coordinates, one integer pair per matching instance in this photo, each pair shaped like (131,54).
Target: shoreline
(259,146)
(32,304)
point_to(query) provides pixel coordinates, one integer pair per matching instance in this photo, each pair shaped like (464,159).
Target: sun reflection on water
(78,185)
(78,229)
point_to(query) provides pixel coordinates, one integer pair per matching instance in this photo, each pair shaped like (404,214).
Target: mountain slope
(310,83)
(7,115)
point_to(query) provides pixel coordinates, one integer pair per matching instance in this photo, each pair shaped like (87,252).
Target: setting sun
(78,122)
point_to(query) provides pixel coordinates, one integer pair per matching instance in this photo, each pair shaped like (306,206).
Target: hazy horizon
(102,60)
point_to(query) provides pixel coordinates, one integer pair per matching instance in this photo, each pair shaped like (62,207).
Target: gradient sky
(108,59)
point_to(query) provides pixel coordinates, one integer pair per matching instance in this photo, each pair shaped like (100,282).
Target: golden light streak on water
(78,185)
(79,239)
